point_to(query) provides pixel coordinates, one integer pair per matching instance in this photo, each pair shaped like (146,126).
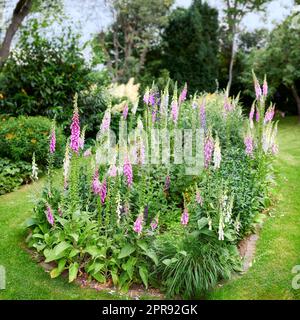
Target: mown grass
(270,277)
(278,247)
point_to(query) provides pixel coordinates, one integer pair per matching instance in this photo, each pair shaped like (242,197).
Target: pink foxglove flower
(49,215)
(75,130)
(257,116)
(265,87)
(103,191)
(127,170)
(248,141)
(138,224)
(52,140)
(154,223)
(87,152)
(125,112)
(174,111)
(199,199)
(96,187)
(269,114)
(227,105)
(105,122)
(208,150)
(112,171)
(183,94)
(185,217)
(257,87)
(152,100)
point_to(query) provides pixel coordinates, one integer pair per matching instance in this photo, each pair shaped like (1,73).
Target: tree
(137,25)
(22,9)
(235,11)
(191,46)
(280,60)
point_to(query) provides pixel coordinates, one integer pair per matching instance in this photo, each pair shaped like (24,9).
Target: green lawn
(270,277)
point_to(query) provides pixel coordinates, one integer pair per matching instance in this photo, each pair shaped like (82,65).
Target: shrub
(13,174)
(41,75)
(22,136)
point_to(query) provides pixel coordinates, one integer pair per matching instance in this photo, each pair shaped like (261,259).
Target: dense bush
(13,174)
(130,220)
(22,136)
(41,75)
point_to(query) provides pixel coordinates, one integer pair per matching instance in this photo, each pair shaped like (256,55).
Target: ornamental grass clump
(167,201)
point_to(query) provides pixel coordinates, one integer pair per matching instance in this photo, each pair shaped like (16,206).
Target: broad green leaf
(114,277)
(95,252)
(57,252)
(99,277)
(143,245)
(144,275)
(202,223)
(73,270)
(30,222)
(73,252)
(152,255)
(126,251)
(129,266)
(59,269)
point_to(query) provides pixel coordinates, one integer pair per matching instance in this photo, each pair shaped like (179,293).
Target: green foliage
(22,136)
(190,266)
(41,76)
(191,46)
(13,174)
(119,222)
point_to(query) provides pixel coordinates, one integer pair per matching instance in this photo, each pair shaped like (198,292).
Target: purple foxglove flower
(174,110)
(248,141)
(183,94)
(265,88)
(96,187)
(185,217)
(257,115)
(112,171)
(49,215)
(125,112)
(52,140)
(138,224)
(154,224)
(257,87)
(227,105)
(199,199)
(152,99)
(75,131)
(269,115)
(167,183)
(251,114)
(202,112)
(87,153)
(103,191)
(127,170)
(105,122)
(208,150)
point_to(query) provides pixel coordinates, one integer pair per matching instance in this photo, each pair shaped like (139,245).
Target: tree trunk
(230,76)
(297,99)
(20,12)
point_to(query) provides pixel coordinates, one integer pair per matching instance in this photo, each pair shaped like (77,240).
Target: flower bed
(166,205)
